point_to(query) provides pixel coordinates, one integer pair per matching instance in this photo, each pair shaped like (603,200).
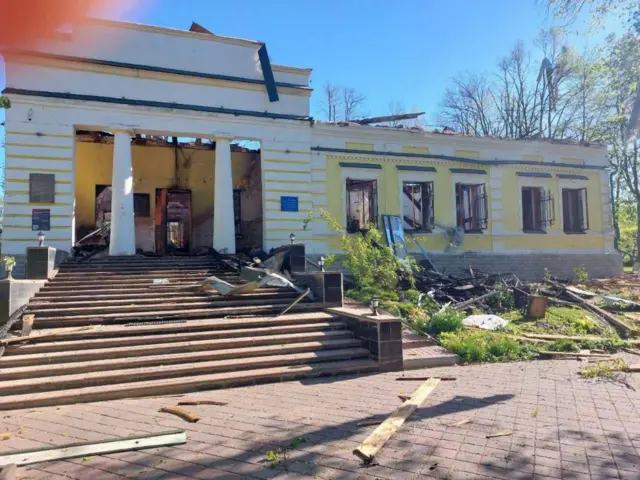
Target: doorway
(173,221)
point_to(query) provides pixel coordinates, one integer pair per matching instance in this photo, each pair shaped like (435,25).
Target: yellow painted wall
(389,203)
(155,167)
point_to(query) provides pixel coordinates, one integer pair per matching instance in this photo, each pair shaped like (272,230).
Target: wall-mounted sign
(288,204)
(40,219)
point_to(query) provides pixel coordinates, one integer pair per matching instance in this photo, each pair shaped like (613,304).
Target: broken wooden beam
(374,442)
(389,118)
(443,379)
(367,423)
(474,300)
(182,413)
(573,354)
(203,402)
(84,449)
(575,338)
(633,368)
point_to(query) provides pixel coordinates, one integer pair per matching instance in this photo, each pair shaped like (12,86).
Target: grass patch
(473,346)
(559,320)
(628,269)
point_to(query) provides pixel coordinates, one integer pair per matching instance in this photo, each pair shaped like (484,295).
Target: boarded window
(538,211)
(417,206)
(362,208)
(42,188)
(142,204)
(471,207)
(575,214)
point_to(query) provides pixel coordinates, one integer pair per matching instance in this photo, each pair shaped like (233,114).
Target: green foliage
(580,274)
(607,369)
(446,321)
(473,346)
(627,216)
(273,457)
(8,262)
(558,320)
(296,442)
(501,301)
(5,103)
(563,346)
(374,266)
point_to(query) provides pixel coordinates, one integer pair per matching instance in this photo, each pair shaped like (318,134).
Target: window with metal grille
(538,210)
(362,204)
(417,206)
(471,207)
(575,212)
(142,204)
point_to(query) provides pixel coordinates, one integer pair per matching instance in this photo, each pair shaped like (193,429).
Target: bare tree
(352,102)
(396,107)
(331,102)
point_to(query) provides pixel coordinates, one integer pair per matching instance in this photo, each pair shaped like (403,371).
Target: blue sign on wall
(288,204)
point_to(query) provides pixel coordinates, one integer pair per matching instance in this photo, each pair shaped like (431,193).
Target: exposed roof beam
(389,118)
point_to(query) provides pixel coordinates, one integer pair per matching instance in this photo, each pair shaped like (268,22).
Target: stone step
(272,307)
(123,266)
(48,295)
(185,384)
(44,383)
(169,273)
(97,282)
(14,358)
(195,325)
(44,303)
(57,345)
(171,305)
(68,368)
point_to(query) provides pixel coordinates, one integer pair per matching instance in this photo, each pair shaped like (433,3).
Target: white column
(123,231)
(224,232)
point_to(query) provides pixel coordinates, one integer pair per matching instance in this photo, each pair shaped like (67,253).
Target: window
(575,214)
(141,204)
(42,188)
(362,207)
(417,206)
(471,207)
(538,210)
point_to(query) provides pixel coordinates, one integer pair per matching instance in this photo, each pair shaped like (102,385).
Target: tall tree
(331,101)
(352,103)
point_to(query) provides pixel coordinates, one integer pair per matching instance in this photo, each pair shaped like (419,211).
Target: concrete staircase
(128,327)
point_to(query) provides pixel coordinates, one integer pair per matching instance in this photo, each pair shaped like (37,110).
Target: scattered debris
(374,442)
(500,433)
(182,413)
(573,354)
(460,423)
(443,379)
(488,322)
(79,450)
(5,436)
(203,402)
(404,397)
(367,423)
(580,292)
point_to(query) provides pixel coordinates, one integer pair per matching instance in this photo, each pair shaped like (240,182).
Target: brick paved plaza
(563,427)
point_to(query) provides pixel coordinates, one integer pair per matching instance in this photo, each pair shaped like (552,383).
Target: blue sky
(404,50)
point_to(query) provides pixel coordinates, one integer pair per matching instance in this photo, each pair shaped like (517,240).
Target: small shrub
(273,457)
(296,442)
(502,348)
(580,274)
(420,325)
(501,301)
(446,321)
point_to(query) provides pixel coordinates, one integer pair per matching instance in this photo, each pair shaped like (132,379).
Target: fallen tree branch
(182,413)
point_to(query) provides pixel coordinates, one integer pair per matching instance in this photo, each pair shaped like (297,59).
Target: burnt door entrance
(173,220)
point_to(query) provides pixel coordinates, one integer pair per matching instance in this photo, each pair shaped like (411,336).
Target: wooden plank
(443,379)
(182,413)
(203,402)
(633,368)
(374,442)
(574,354)
(76,450)
(576,338)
